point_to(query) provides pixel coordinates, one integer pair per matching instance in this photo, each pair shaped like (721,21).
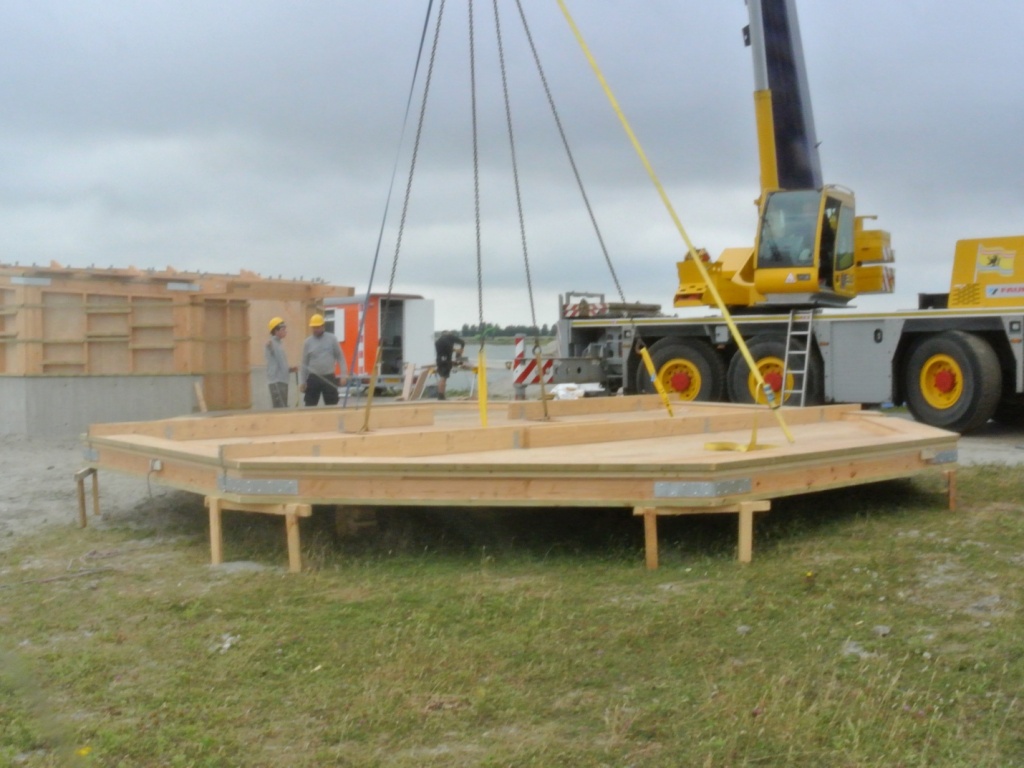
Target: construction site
(735,509)
(161,370)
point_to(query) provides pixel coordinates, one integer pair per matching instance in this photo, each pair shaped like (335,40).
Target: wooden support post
(651,538)
(216,531)
(746,545)
(291,524)
(950,475)
(80,476)
(746,510)
(200,399)
(408,379)
(80,482)
(290,512)
(96,493)
(421,383)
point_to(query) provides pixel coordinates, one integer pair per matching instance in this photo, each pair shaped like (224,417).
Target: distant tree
(491,330)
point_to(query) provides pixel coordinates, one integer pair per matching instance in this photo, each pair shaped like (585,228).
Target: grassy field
(874,628)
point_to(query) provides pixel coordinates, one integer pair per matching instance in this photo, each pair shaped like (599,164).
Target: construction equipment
(811,248)
(956,361)
(399,328)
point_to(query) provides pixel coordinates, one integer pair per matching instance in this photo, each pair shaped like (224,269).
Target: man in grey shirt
(277,363)
(321,356)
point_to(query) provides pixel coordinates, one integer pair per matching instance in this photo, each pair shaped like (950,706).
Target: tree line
(492,329)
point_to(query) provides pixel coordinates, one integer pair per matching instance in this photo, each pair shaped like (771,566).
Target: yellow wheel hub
(681,377)
(771,369)
(941,381)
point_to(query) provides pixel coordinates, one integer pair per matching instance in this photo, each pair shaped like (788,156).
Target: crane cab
(805,251)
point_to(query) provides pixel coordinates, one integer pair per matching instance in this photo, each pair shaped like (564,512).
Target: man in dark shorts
(445,347)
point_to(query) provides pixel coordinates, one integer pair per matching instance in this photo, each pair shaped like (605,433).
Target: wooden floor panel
(599,453)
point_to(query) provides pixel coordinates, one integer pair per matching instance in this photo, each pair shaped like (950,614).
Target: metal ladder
(797,358)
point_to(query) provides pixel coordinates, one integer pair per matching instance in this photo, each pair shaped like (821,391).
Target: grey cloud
(262,135)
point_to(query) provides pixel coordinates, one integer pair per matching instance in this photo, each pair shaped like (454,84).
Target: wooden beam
(270,423)
(597,406)
(200,399)
(461,439)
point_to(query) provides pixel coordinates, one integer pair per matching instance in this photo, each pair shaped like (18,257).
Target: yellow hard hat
(316,320)
(274,323)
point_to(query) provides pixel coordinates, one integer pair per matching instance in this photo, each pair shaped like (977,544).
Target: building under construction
(81,346)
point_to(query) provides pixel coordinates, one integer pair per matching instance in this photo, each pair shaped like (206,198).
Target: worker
(277,363)
(321,360)
(445,347)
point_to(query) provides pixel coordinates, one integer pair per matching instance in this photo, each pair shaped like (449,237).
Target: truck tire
(952,380)
(690,368)
(769,354)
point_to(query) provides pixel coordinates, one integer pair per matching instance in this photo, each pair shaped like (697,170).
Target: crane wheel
(769,353)
(953,381)
(688,368)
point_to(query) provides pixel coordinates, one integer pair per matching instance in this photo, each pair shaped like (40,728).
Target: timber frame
(623,452)
(58,321)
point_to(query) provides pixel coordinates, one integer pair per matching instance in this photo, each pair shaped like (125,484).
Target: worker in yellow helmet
(277,363)
(321,359)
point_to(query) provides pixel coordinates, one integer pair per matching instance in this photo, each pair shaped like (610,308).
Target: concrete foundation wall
(64,406)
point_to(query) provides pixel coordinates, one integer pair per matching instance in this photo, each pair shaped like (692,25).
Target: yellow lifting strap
(769,393)
(481,383)
(658,386)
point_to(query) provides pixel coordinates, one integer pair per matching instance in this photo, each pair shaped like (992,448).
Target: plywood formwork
(593,453)
(62,321)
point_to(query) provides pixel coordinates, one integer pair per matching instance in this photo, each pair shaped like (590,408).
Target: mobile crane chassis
(956,361)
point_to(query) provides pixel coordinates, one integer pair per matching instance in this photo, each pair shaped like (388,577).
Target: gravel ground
(37,486)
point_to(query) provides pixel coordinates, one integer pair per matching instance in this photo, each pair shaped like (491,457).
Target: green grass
(881,630)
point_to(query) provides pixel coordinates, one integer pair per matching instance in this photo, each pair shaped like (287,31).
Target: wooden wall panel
(66,321)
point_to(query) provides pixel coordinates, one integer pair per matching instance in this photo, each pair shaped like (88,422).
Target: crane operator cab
(805,248)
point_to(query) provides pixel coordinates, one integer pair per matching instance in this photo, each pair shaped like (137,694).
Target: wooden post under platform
(745,510)
(950,475)
(80,476)
(290,512)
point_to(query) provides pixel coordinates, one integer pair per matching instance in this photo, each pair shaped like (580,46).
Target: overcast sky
(261,135)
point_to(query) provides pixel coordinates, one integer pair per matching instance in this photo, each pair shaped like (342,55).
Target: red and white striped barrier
(584,309)
(524,369)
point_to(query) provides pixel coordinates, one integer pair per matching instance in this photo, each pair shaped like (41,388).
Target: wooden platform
(594,453)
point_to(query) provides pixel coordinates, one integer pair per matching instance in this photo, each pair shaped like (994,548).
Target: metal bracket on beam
(941,457)
(701,489)
(258,487)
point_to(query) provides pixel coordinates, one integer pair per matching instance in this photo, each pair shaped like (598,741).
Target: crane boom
(786,135)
